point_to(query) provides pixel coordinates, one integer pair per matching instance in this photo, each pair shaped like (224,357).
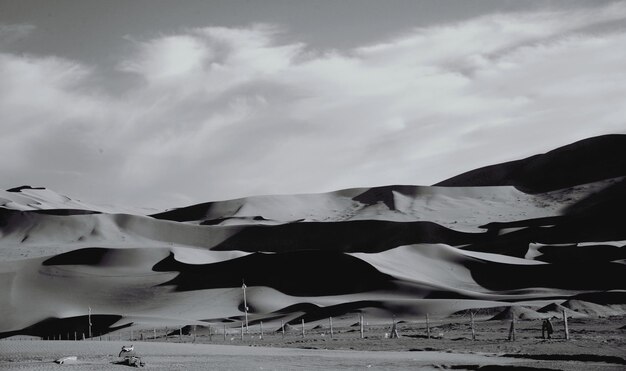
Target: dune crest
(489,238)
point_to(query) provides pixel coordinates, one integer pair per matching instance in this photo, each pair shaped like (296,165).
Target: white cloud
(225,112)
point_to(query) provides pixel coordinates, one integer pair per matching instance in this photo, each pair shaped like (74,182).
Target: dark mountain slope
(585,161)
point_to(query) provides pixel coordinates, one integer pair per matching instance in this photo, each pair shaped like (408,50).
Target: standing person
(549,328)
(546,328)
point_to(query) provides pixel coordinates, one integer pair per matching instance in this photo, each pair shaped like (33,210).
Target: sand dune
(585,161)
(393,250)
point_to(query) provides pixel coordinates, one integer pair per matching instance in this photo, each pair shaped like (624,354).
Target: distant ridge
(585,161)
(397,250)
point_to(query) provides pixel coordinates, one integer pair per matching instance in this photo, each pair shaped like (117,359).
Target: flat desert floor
(595,344)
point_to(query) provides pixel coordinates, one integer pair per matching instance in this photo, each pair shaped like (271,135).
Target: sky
(171,103)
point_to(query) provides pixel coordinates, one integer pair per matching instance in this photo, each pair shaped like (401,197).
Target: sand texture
(529,239)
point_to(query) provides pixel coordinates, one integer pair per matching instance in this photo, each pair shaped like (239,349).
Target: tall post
(565,324)
(241,331)
(245,304)
(361,325)
(89,318)
(303,327)
(472,324)
(261,330)
(330,319)
(282,327)
(427,326)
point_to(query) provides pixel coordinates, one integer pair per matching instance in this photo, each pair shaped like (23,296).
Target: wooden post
(241,331)
(427,326)
(154,333)
(224,332)
(89,318)
(303,327)
(565,324)
(210,334)
(83,336)
(282,327)
(140,336)
(180,333)
(261,330)
(166,334)
(195,330)
(245,304)
(330,319)
(472,324)
(361,325)
(74,335)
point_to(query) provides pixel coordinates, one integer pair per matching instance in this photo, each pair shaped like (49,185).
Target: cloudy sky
(169,103)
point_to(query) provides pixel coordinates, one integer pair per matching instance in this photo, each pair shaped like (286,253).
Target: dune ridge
(494,237)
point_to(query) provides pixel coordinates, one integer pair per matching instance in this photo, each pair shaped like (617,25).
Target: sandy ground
(595,344)
(92,355)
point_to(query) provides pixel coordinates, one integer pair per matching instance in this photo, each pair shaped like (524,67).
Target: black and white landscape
(194,169)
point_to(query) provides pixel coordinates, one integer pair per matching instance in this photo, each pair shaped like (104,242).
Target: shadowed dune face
(586,161)
(292,273)
(59,328)
(394,250)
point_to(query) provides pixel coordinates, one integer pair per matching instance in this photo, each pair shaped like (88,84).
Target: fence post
(154,333)
(361,325)
(74,335)
(282,327)
(330,319)
(224,332)
(472,324)
(210,334)
(427,326)
(565,324)
(261,330)
(180,333)
(303,327)
(241,331)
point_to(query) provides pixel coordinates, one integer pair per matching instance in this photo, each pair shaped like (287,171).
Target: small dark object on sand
(132,361)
